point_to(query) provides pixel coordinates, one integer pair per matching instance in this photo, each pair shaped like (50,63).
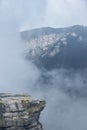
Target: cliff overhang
(20,112)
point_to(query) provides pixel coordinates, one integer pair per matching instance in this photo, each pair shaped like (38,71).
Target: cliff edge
(20,112)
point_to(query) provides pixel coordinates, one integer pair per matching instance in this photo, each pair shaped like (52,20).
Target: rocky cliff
(57,47)
(20,112)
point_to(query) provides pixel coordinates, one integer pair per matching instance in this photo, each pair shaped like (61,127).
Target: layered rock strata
(20,112)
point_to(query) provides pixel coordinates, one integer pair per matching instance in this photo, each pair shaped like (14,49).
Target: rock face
(20,112)
(57,47)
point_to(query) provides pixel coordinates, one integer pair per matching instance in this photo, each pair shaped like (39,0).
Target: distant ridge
(57,47)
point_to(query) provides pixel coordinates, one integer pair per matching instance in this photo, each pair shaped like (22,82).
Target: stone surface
(20,112)
(53,48)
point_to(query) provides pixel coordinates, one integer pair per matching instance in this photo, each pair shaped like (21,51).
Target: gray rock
(20,112)
(54,48)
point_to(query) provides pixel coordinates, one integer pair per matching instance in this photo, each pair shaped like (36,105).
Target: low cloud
(65,92)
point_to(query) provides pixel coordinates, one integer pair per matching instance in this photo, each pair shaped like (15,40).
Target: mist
(14,75)
(65,91)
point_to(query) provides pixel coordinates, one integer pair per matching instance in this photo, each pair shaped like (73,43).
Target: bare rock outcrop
(20,112)
(53,48)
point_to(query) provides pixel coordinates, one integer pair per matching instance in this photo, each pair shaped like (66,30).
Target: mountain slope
(57,47)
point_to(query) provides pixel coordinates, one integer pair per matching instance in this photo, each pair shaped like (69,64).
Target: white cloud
(56,13)
(66,12)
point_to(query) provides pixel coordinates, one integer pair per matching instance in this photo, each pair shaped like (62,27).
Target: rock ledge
(20,112)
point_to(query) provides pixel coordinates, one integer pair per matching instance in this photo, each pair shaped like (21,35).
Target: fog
(65,91)
(13,67)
